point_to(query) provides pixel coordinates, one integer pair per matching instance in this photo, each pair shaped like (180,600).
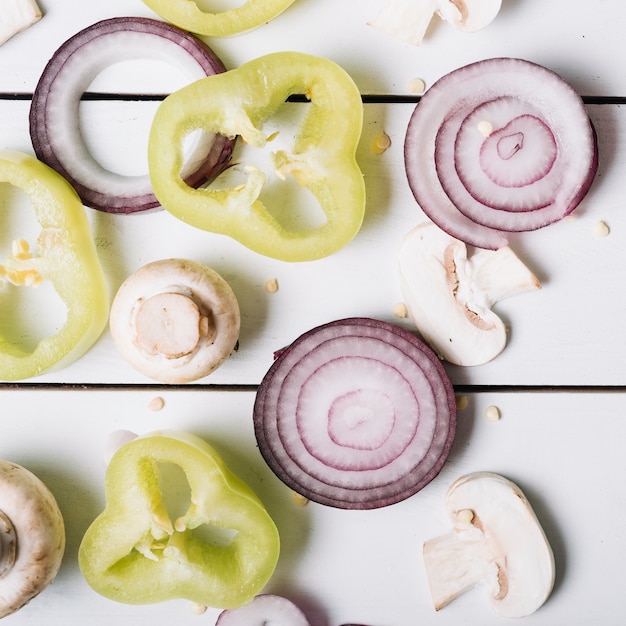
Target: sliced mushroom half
(16,16)
(449,295)
(497,541)
(32,537)
(408,20)
(175,320)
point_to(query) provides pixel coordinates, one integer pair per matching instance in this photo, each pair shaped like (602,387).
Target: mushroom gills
(502,545)
(170,324)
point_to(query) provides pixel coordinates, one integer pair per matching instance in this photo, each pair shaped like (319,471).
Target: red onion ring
(54,119)
(356,414)
(264,609)
(502,145)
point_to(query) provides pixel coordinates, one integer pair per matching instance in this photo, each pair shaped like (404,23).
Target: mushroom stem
(8,544)
(170,324)
(457,562)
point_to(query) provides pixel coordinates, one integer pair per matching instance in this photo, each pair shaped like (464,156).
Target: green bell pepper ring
(134,552)
(323,157)
(66,256)
(186,14)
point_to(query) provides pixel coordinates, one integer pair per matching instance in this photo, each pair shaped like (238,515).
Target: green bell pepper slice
(186,14)
(136,553)
(66,255)
(322,159)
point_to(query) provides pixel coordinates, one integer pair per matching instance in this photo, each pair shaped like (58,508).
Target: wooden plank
(569,333)
(579,43)
(563,450)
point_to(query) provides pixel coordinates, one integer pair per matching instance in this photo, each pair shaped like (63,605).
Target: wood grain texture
(562,428)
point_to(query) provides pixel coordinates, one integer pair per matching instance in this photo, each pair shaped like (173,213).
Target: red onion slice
(263,610)
(501,145)
(356,414)
(54,118)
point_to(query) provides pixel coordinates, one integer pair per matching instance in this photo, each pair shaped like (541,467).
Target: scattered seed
(20,249)
(485,128)
(399,310)
(492,413)
(381,143)
(273,136)
(32,278)
(465,516)
(197,609)
(417,85)
(19,278)
(299,499)
(461,402)
(271,285)
(156,404)
(601,229)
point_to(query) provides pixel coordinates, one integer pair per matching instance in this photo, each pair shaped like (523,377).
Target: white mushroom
(32,537)
(408,20)
(449,296)
(498,541)
(16,16)
(175,320)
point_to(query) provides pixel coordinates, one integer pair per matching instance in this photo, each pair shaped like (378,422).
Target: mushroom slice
(16,16)
(497,540)
(175,320)
(32,537)
(408,20)
(449,296)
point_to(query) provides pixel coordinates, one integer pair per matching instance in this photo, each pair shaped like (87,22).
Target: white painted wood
(578,41)
(563,450)
(569,333)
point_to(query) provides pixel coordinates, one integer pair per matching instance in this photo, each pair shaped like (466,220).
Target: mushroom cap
(175,320)
(449,296)
(34,514)
(525,570)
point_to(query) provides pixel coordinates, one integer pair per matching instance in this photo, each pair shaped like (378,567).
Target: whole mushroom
(32,537)
(175,320)
(497,540)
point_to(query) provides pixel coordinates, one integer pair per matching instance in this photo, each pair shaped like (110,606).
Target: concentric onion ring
(501,145)
(356,414)
(54,119)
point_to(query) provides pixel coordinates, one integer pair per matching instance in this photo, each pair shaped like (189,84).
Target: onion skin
(479,185)
(68,69)
(356,414)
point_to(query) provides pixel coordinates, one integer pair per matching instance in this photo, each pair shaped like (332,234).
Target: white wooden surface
(562,442)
